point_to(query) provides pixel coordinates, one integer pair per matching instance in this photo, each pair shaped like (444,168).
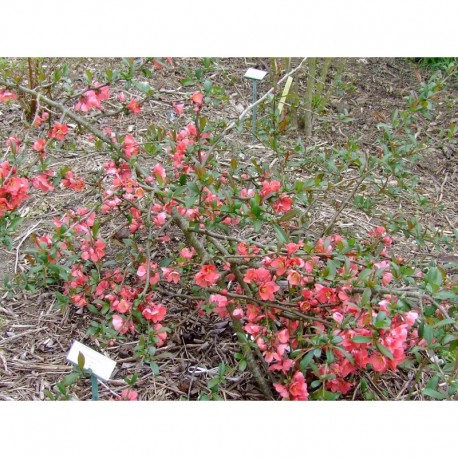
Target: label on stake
(255,74)
(99,364)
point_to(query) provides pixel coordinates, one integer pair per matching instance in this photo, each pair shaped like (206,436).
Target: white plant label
(100,365)
(255,74)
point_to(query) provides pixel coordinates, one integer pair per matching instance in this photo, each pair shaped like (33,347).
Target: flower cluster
(91,98)
(13,189)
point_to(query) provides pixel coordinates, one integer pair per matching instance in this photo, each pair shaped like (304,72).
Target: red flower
(128,395)
(260,275)
(267,291)
(379,362)
(187,253)
(282,205)
(178,108)
(130,146)
(73,183)
(133,106)
(88,101)
(39,145)
(296,390)
(161,335)
(93,250)
(159,173)
(6,95)
(198,100)
(122,325)
(154,312)
(269,187)
(171,275)
(59,131)
(207,276)
(41,182)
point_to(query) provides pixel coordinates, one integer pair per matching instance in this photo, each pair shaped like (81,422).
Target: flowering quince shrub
(312,315)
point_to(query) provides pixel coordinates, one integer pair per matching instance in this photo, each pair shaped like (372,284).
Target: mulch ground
(35,335)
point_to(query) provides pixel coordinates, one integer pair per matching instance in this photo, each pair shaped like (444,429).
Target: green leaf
(306,360)
(428,333)
(81,360)
(366,297)
(70,379)
(444,322)
(434,278)
(187,82)
(280,233)
(433,394)
(214,382)
(433,382)
(382,321)
(202,123)
(446,295)
(384,351)
(289,215)
(346,354)
(154,368)
(362,339)
(93,309)
(331,269)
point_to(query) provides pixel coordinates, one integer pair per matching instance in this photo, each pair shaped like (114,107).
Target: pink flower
(387,277)
(59,131)
(218,299)
(284,365)
(292,247)
(101,92)
(171,275)
(130,146)
(260,275)
(294,278)
(269,187)
(296,390)
(267,291)
(6,95)
(39,145)
(339,385)
(133,106)
(161,335)
(379,362)
(93,250)
(73,183)
(159,173)
(41,182)
(411,317)
(121,97)
(159,219)
(39,120)
(14,142)
(88,101)
(122,325)
(128,395)
(207,276)
(154,312)
(187,253)
(198,100)
(325,295)
(337,316)
(282,205)
(178,108)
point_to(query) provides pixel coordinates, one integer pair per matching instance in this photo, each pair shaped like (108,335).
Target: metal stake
(255,97)
(254,75)
(95,387)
